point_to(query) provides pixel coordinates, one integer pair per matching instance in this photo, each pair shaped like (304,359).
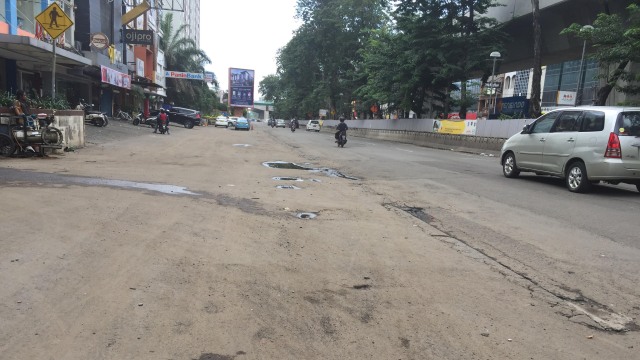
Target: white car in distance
(313,125)
(222,121)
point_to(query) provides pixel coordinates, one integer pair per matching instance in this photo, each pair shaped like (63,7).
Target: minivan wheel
(509,167)
(576,178)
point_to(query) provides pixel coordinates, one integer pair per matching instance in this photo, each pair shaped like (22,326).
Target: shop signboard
(138,37)
(516,105)
(183,75)
(566,98)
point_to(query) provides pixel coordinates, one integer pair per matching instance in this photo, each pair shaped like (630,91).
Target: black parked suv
(187,117)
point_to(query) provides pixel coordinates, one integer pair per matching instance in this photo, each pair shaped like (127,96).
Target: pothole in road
(306,215)
(279,178)
(294,166)
(284,165)
(600,316)
(287,187)
(418,213)
(362,287)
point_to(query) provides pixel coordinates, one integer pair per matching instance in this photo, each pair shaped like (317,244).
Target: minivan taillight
(613,147)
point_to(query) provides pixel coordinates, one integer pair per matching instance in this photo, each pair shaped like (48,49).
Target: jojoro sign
(139,37)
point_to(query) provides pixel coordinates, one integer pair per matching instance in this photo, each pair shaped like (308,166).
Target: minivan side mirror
(526,129)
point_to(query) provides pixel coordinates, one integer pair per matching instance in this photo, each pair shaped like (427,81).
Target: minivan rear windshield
(628,123)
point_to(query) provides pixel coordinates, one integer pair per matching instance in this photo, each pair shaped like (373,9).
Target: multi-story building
(189,14)
(94,59)
(565,71)
(26,51)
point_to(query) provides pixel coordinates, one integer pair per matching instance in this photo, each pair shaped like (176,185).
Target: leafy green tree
(442,42)
(182,54)
(616,41)
(318,67)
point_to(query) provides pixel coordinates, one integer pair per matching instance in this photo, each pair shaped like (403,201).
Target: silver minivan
(584,145)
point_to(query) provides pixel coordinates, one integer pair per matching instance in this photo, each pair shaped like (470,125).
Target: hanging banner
(241,87)
(115,78)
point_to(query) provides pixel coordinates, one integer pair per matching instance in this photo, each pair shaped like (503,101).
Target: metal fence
(484,128)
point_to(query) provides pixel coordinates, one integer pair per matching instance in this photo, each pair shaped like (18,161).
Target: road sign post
(59,22)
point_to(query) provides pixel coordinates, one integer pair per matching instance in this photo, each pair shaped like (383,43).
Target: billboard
(241,87)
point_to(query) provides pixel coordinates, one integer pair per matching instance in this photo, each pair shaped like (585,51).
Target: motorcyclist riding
(341,127)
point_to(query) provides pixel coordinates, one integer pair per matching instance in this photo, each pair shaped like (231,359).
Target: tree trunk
(536,110)
(463,99)
(603,92)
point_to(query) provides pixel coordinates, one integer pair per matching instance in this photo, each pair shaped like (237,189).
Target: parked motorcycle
(141,119)
(93,117)
(342,139)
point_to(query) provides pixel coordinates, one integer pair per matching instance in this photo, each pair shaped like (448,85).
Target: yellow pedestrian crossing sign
(53,20)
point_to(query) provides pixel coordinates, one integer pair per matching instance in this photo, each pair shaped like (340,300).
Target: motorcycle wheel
(52,136)
(136,121)
(7,146)
(106,120)
(98,122)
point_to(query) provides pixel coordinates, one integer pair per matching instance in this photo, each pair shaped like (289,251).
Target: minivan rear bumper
(612,169)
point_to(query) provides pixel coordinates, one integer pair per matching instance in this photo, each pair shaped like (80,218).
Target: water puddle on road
(162,188)
(38,179)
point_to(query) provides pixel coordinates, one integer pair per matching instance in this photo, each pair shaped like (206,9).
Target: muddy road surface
(209,244)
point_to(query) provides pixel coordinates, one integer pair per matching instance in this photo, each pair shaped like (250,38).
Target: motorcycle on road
(341,138)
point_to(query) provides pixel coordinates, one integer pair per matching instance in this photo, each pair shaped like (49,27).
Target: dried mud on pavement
(146,246)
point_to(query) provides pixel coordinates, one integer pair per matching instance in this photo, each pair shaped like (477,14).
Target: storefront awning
(33,53)
(144,82)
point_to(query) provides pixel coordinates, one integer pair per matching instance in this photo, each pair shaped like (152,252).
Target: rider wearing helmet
(162,122)
(341,127)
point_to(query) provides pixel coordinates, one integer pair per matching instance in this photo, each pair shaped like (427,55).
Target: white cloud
(245,34)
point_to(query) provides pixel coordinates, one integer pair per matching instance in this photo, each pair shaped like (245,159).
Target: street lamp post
(494,55)
(580,75)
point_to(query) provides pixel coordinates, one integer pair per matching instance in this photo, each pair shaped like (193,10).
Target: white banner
(183,75)
(566,98)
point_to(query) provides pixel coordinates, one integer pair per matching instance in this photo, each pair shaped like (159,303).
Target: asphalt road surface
(210,243)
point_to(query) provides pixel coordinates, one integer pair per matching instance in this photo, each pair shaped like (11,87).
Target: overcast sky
(245,34)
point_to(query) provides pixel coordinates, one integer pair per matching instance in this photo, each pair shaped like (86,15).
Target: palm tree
(182,54)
